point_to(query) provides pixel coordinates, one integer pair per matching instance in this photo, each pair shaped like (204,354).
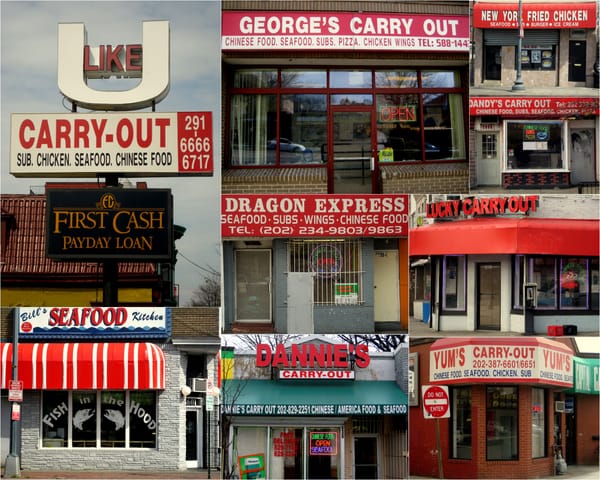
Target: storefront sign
(587,375)
(308,215)
(311,355)
(535,15)
(329,374)
(313,410)
(343,31)
(252,466)
(149,61)
(534,106)
(99,224)
(397,113)
(346,293)
(96,322)
(323,443)
(510,361)
(472,207)
(130,144)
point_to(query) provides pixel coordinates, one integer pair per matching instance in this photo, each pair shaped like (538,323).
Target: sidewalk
(573,471)
(201,474)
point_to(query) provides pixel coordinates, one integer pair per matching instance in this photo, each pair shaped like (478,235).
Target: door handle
(372,163)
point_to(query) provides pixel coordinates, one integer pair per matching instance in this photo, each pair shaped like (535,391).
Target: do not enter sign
(436,403)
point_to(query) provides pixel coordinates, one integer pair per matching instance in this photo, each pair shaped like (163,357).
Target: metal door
(488,296)
(577,60)
(193,435)
(387,292)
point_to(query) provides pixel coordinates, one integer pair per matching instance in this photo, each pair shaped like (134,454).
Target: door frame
(374,167)
(478,292)
(199,409)
(377,446)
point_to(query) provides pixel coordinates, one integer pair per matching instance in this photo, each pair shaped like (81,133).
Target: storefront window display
(534,145)
(461,434)
(502,421)
(108,419)
(538,423)
(336,266)
(454,271)
(292,452)
(279,117)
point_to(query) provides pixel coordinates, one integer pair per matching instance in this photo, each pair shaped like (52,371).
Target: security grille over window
(336,265)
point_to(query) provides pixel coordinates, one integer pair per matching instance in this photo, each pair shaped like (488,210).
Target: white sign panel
(94,322)
(508,363)
(129,144)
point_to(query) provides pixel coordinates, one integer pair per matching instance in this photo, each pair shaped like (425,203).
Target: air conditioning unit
(199,385)
(559,407)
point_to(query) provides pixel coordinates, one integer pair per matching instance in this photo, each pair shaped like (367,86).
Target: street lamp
(518,85)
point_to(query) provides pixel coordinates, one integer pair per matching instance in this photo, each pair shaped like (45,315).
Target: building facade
(508,263)
(131,398)
(534,118)
(316,408)
(502,401)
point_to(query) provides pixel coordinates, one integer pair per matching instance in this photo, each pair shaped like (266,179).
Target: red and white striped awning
(85,366)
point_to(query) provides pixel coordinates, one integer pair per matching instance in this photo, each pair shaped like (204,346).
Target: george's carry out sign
(139,144)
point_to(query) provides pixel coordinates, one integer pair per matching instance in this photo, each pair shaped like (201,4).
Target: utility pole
(518,85)
(12,468)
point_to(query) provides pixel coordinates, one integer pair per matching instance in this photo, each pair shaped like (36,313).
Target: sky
(29,85)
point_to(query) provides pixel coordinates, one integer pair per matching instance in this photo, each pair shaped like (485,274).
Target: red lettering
(263,355)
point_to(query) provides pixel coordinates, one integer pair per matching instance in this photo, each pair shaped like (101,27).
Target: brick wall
(275,180)
(425,178)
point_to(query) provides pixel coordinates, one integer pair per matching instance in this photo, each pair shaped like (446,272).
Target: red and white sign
(476,206)
(532,361)
(535,15)
(267,30)
(130,144)
(312,355)
(290,374)
(15,391)
(534,106)
(314,215)
(436,403)
(16,412)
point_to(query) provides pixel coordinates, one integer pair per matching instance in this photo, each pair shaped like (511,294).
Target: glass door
(365,457)
(352,164)
(193,436)
(488,300)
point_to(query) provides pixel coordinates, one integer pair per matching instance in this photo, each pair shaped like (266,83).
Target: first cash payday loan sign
(129,144)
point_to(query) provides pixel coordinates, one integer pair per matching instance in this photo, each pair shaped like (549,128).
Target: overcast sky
(29,85)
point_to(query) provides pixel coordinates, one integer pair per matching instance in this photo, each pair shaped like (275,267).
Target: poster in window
(536,56)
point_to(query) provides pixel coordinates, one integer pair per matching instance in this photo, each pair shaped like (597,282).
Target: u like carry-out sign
(95,144)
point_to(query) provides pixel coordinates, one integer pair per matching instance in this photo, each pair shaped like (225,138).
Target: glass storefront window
(286,453)
(354,99)
(99,419)
(440,79)
(502,423)
(543,273)
(573,283)
(55,419)
(538,423)
(454,276)
(537,57)
(396,78)
(594,279)
(444,126)
(350,78)
(250,442)
(303,78)
(399,126)
(519,261)
(461,434)
(255,78)
(253,127)
(534,145)
(302,128)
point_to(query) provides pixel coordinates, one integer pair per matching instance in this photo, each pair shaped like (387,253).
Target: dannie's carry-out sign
(118,224)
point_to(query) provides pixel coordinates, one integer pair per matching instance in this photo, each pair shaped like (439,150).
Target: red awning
(526,236)
(83,366)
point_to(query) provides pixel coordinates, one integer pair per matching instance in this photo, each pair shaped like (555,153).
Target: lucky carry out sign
(118,224)
(128,144)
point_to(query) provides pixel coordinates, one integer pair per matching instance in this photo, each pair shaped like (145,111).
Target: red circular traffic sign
(435,401)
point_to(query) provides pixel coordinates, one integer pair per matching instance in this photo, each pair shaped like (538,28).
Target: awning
(268,397)
(527,236)
(522,360)
(82,366)
(586,376)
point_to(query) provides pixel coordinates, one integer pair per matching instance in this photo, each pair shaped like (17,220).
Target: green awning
(586,373)
(269,397)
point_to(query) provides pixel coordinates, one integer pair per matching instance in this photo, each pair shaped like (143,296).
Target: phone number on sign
(497,363)
(334,230)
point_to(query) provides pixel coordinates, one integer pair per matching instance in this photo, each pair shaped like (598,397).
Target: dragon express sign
(313,361)
(101,224)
